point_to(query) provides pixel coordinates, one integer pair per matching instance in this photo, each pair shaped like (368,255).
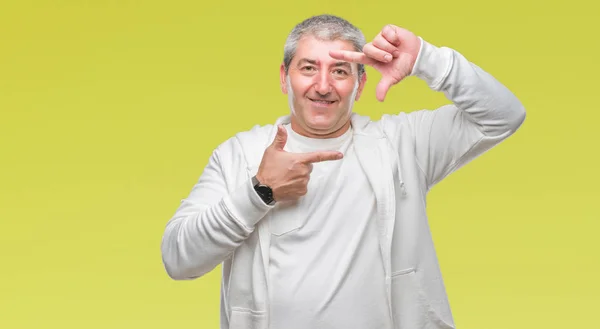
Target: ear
(361,85)
(282,79)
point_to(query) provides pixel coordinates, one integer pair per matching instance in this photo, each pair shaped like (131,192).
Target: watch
(263,191)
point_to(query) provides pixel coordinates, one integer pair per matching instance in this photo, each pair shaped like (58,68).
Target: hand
(287,174)
(393,53)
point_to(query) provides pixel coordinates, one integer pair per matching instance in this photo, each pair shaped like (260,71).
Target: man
(319,220)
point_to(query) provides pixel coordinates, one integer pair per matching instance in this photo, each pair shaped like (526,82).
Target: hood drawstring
(402,187)
(398,167)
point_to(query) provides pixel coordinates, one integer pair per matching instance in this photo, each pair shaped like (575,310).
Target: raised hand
(287,174)
(392,53)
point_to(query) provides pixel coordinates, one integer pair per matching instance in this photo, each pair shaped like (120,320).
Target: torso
(326,269)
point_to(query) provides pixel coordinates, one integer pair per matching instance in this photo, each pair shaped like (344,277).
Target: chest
(339,197)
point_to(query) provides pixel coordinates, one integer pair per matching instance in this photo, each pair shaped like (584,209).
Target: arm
(484,112)
(212,221)
(209,224)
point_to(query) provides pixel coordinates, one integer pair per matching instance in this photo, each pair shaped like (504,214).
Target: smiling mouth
(322,101)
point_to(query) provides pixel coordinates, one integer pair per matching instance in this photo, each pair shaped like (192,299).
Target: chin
(320,123)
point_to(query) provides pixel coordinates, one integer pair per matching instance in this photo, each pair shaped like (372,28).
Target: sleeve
(209,224)
(482,114)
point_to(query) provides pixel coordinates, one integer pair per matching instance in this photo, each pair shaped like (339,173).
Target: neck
(319,134)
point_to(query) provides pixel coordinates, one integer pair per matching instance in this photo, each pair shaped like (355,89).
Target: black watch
(263,191)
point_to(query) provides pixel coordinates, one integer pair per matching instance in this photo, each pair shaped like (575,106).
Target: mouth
(321,102)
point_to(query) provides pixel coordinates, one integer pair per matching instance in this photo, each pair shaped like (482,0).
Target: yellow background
(109,111)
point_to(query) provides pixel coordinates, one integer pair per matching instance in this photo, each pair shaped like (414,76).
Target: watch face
(265,192)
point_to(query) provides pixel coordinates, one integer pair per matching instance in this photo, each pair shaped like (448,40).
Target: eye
(307,68)
(340,72)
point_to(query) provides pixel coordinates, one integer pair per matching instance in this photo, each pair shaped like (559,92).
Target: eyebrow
(314,62)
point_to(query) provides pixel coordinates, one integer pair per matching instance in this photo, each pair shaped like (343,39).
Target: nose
(323,83)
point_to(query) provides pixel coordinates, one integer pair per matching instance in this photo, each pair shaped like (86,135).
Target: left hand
(393,53)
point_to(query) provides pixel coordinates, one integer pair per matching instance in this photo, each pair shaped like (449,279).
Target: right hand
(287,174)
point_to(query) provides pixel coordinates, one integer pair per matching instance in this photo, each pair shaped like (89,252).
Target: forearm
(483,100)
(200,237)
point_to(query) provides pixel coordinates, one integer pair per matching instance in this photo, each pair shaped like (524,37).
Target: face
(321,90)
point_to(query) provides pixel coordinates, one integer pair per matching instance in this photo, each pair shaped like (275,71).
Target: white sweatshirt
(223,221)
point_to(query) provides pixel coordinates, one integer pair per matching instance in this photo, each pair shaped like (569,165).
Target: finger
(383,86)
(352,56)
(320,156)
(383,44)
(310,168)
(280,138)
(373,52)
(391,35)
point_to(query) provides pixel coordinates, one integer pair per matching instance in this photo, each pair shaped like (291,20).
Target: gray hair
(323,27)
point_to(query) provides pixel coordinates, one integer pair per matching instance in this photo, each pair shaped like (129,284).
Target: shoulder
(417,120)
(393,124)
(245,146)
(256,134)
(387,126)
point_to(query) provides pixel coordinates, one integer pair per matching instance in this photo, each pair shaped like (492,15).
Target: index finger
(352,56)
(320,156)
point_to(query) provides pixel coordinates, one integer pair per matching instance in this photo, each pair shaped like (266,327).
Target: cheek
(299,87)
(347,91)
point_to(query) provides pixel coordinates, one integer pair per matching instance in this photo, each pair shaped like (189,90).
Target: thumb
(383,86)
(280,138)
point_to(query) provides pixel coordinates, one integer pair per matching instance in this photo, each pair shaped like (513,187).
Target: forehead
(313,48)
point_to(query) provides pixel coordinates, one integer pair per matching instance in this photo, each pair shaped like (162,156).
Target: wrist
(245,206)
(263,190)
(258,177)
(433,64)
